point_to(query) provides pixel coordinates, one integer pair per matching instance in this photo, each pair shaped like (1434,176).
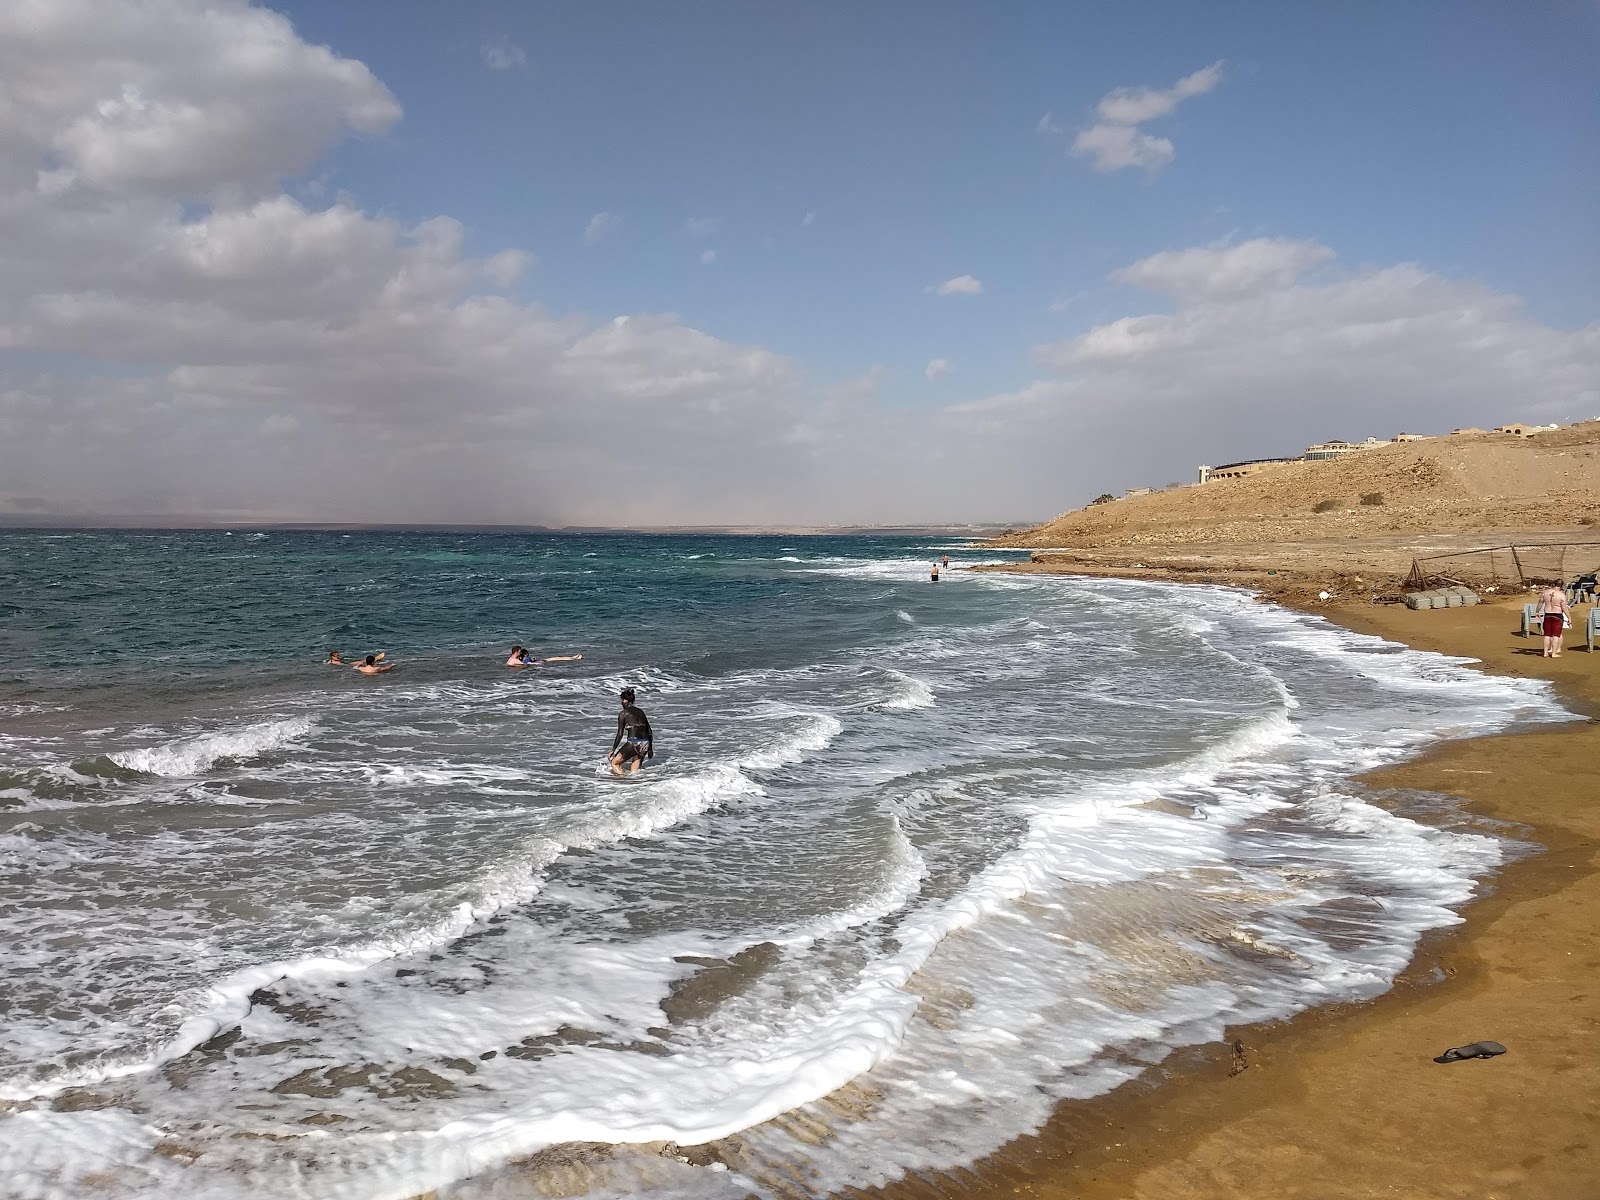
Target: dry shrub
(1372,497)
(1325,506)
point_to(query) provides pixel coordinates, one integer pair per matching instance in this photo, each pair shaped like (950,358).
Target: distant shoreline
(188,525)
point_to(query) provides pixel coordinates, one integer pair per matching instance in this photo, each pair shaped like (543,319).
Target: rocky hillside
(1463,482)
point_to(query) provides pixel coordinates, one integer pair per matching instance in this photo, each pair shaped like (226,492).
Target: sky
(748,263)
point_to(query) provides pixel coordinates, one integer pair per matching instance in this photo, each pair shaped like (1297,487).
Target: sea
(913,862)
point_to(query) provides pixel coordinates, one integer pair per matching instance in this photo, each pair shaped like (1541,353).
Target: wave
(816,732)
(910,692)
(196,755)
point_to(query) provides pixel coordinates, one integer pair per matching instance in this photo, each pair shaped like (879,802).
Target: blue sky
(1446,133)
(784,188)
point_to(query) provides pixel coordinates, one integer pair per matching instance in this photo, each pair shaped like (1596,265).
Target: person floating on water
(933,576)
(521,656)
(634,742)
(335,659)
(371,666)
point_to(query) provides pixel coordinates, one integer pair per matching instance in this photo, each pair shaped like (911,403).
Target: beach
(1344,1101)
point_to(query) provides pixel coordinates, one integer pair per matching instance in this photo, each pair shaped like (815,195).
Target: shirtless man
(521,656)
(1553,613)
(371,666)
(634,742)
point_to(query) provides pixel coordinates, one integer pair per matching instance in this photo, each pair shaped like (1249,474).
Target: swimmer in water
(521,656)
(933,576)
(945,560)
(634,742)
(334,660)
(371,666)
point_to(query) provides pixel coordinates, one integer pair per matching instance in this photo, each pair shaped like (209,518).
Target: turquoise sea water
(273,928)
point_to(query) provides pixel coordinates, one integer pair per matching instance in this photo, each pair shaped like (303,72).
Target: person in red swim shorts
(1553,612)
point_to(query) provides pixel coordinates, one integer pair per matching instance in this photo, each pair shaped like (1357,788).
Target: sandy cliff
(1476,482)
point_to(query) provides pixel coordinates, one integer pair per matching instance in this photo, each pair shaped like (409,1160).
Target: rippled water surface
(913,861)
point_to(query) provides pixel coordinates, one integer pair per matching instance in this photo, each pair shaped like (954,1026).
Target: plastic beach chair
(1528,617)
(1593,626)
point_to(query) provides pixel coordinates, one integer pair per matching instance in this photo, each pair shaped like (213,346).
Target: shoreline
(1344,1100)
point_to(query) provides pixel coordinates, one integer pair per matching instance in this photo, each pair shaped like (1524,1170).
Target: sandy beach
(1346,1101)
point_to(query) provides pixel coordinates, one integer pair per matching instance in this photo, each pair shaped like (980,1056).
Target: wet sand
(1346,1101)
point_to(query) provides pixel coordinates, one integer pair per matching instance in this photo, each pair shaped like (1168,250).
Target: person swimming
(635,742)
(521,656)
(371,666)
(334,660)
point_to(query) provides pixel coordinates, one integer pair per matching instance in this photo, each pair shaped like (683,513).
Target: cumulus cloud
(1224,270)
(1116,141)
(599,225)
(961,285)
(938,368)
(229,348)
(500,53)
(1260,358)
(171,100)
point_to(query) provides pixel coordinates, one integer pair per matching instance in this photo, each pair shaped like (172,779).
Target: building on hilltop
(1334,449)
(1413,437)
(1240,470)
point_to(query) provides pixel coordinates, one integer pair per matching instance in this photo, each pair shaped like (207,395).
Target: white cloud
(249,352)
(938,368)
(1256,359)
(808,220)
(702,226)
(708,256)
(1135,106)
(1114,147)
(1115,140)
(500,53)
(171,99)
(961,285)
(1224,270)
(1049,126)
(599,225)
(506,267)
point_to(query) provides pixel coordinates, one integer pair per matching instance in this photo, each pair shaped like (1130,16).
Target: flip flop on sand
(1476,1050)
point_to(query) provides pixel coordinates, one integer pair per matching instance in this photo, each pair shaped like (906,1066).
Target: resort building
(1335,449)
(1239,470)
